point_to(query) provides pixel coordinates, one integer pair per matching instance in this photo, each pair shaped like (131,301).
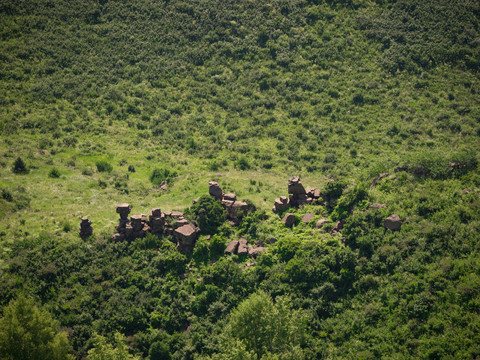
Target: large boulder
(281,204)
(123,210)
(238,210)
(289,219)
(320,223)
(295,186)
(242,247)
(232,247)
(186,234)
(254,251)
(230,196)
(307,217)
(393,222)
(215,190)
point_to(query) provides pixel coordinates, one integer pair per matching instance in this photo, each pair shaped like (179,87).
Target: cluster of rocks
(240,247)
(297,196)
(235,209)
(86,229)
(172,223)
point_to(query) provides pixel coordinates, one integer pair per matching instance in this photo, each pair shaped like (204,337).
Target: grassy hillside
(95,95)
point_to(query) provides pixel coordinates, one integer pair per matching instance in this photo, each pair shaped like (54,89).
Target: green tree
(29,332)
(266,328)
(19,166)
(105,351)
(208,213)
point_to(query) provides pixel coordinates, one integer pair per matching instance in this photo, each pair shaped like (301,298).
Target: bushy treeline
(368,292)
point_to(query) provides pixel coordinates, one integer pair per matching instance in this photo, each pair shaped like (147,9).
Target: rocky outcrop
(236,209)
(169,223)
(86,229)
(298,196)
(241,247)
(393,222)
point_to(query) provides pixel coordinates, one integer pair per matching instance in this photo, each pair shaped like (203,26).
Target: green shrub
(242,164)
(159,176)
(54,173)
(208,213)
(103,166)
(19,166)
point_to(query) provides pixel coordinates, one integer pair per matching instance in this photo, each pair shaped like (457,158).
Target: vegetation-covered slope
(95,95)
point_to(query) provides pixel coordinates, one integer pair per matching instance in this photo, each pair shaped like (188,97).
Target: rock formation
(297,196)
(236,209)
(240,247)
(171,223)
(86,229)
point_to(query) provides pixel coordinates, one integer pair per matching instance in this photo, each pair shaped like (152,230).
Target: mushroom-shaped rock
(231,247)
(307,217)
(295,186)
(136,222)
(242,247)
(393,222)
(289,219)
(320,223)
(215,190)
(123,210)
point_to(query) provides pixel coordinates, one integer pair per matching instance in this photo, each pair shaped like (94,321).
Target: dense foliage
(102,102)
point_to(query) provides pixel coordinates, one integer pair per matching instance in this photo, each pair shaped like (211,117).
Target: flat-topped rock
(123,210)
(230,196)
(186,234)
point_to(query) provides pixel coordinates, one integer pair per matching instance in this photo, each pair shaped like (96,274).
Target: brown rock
(186,234)
(307,217)
(316,193)
(254,251)
(155,212)
(320,223)
(238,209)
(295,186)
(118,237)
(393,222)
(378,178)
(232,247)
(289,219)
(230,196)
(123,210)
(85,228)
(242,247)
(377,206)
(215,190)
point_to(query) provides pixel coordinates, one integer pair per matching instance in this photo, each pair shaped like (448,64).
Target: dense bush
(103,166)
(19,166)
(208,213)
(158,176)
